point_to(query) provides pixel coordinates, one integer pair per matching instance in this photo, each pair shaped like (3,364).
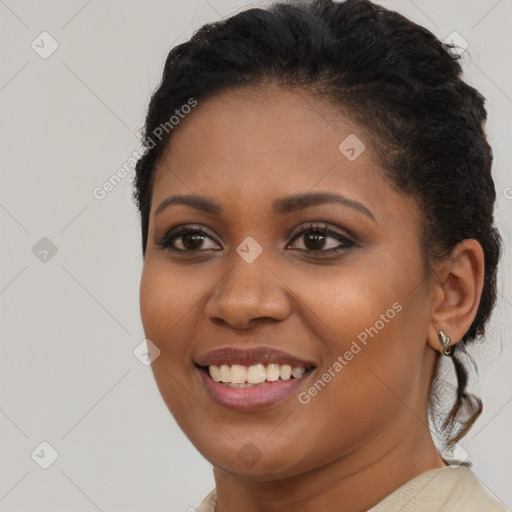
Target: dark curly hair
(400,83)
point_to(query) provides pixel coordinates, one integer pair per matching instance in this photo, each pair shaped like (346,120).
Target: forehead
(248,147)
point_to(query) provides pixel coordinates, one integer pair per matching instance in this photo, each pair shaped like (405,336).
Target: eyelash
(180,231)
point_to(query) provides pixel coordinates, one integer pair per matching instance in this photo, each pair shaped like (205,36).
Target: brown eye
(186,239)
(316,240)
(192,241)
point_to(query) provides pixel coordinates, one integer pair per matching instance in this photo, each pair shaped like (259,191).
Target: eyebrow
(280,206)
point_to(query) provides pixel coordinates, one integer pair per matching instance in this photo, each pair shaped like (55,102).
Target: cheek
(169,305)
(367,316)
(168,297)
(169,302)
(366,384)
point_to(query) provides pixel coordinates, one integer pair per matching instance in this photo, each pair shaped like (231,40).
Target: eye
(186,239)
(189,239)
(315,238)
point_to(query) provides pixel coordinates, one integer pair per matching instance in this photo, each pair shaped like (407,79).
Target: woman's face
(263,274)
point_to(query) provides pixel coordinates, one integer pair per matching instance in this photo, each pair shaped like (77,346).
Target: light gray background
(69,325)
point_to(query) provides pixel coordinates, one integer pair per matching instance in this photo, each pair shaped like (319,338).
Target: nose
(249,293)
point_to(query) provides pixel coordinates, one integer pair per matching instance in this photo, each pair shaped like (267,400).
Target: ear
(457,288)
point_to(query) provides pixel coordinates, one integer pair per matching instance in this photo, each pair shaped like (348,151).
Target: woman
(316,204)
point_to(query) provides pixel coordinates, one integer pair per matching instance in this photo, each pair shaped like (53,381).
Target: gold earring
(445,343)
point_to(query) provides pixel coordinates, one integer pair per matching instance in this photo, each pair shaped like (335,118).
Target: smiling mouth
(256,375)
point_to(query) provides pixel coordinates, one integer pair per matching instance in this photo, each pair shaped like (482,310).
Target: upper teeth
(255,374)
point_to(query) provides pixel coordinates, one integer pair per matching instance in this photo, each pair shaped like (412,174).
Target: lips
(251,356)
(251,397)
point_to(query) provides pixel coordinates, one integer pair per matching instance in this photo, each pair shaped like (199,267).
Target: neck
(353,483)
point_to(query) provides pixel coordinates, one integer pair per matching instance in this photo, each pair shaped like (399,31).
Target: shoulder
(208,504)
(469,494)
(452,488)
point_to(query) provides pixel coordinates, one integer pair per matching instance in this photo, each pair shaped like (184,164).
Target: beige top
(452,488)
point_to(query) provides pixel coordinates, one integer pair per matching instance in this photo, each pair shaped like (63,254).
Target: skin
(366,433)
